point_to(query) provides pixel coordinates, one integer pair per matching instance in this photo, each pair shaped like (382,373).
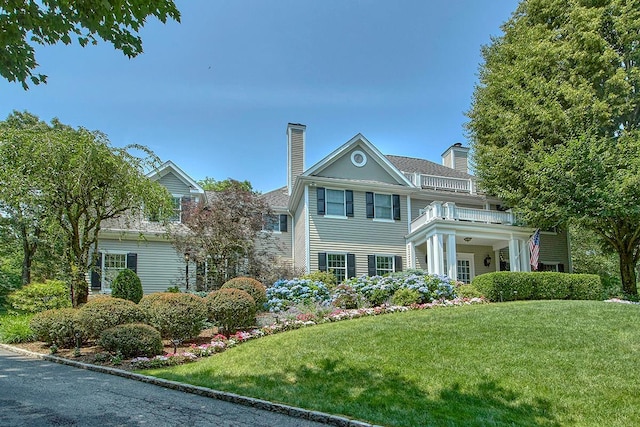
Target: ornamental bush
(58,326)
(251,286)
(37,297)
(127,286)
(327,277)
(468,291)
(104,312)
(178,317)
(512,286)
(9,282)
(406,297)
(231,309)
(286,293)
(346,297)
(132,340)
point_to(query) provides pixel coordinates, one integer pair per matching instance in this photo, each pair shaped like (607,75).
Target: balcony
(449,211)
(458,185)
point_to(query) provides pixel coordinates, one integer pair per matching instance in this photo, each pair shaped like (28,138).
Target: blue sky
(215,92)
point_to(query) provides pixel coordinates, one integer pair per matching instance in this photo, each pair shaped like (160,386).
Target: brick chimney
(456,157)
(295,153)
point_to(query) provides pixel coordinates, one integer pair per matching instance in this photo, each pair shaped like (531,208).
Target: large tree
(224,236)
(555,119)
(79,180)
(24,23)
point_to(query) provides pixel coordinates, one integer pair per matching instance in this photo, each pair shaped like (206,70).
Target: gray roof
(426,167)
(277,198)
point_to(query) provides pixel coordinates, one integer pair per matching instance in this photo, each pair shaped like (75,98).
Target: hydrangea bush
(286,293)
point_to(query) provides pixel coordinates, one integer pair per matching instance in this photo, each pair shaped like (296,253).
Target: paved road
(39,393)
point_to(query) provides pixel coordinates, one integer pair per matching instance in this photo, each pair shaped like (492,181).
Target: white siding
(300,244)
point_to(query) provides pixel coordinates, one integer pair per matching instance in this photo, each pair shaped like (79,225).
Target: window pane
(384,265)
(464,271)
(338,264)
(335,202)
(271,223)
(113,264)
(177,209)
(383,206)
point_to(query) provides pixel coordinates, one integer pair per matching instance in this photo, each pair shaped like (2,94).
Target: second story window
(176,215)
(277,223)
(383,206)
(334,202)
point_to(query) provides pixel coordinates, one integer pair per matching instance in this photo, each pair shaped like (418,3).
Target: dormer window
(176,216)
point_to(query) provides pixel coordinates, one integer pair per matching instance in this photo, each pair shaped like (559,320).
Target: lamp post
(186,270)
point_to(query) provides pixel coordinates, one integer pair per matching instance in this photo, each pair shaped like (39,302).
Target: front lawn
(525,363)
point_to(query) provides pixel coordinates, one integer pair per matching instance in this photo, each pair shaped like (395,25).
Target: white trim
(307,232)
(104,253)
(355,162)
(186,179)
(467,257)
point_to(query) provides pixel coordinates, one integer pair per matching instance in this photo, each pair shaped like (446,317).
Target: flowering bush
(285,293)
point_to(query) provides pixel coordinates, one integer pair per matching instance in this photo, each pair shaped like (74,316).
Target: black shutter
(396,207)
(283,222)
(369,201)
(348,199)
(398,263)
(351,266)
(132,262)
(371,265)
(96,273)
(322,261)
(320,196)
(561,268)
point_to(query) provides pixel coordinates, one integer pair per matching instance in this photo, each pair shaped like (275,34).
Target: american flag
(534,248)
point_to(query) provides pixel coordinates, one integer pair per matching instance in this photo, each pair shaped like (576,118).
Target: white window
(338,264)
(335,202)
(112,264)
(384,264)
(271,223)
(383,207)
(176,216)
(465,268)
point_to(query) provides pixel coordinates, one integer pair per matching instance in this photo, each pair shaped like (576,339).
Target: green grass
(527,363)
(14,328)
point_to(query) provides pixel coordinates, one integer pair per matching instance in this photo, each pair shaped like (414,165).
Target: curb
(292,411)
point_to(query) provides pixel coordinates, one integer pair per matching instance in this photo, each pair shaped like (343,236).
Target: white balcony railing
(449,211)
(459,185)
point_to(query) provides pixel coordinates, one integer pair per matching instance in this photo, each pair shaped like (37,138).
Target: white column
(438,254)
(411,255)
(525,256)
(514,262)
(430,260)
(452,264)
(496,260)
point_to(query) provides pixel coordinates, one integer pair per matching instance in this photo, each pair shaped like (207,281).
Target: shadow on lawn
(383,397)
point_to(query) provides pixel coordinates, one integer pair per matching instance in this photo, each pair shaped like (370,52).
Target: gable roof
(278,198)
(425,167)
(380,158)
(169,166)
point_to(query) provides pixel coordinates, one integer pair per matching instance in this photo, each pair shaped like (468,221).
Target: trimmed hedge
(178,317)
(132,340)
(512,286)
(231,309)
(127,285)
(102,313)
(57,326)
(251,286)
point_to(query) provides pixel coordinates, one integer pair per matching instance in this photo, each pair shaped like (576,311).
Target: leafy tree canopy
(24,23)
(555,119)
(210,184)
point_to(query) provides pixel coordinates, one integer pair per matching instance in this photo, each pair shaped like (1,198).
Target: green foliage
(512,286)
(231,309)
(28,23)
(251,286)
(173,289)
(468,291)
(405,297)
(554,121)
(326,277)
(9,281)
(104,312)
(38,297)
(14,328)
(178,317)
(210,184)
(132,340)
(127,286)
(344,296)
(58,326)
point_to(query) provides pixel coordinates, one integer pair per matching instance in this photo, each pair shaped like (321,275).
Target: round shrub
(38,297)
(57,326)
(468,291)
(231,309)
(251,286)
(405,297)
(127,285)
(178,317)
(102,313)
(132,340)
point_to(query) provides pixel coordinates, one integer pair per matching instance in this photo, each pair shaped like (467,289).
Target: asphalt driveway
(36,392)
